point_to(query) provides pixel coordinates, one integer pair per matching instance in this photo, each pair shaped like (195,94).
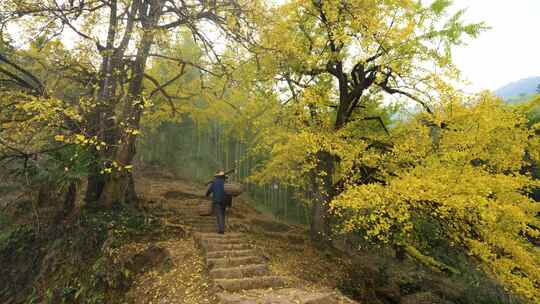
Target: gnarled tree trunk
(119,186)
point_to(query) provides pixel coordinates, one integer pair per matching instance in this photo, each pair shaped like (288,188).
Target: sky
(508,52)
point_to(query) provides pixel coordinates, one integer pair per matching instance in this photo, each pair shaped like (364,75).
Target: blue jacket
(217,189)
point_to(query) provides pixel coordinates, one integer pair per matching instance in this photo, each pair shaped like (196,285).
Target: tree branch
(159,87)
(182,61)
(162,87)
(40,88)
(378,119)
(384,85)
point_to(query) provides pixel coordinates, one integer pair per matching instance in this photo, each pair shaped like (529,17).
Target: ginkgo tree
(336,57)
(457,166)
(116,41)
(465,179)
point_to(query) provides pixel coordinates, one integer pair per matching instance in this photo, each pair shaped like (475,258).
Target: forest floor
(284,248)
(161,251)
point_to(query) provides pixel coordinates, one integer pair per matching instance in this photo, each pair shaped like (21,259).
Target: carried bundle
(205,208)
(233,189)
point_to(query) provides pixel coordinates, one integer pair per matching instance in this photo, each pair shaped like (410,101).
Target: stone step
(217,235)
(251,283)
(200,221)
(240,272)
(209,247)
(233,262)
(281,296)
(208,229)
(187,207)
(230,254)
(191,210)
(211,225)
(188,214)
(201,218)
(191,214)
(193,203)
(206,241)
(204,229)
(201,224)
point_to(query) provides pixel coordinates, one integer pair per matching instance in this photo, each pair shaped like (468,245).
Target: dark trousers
(219,211)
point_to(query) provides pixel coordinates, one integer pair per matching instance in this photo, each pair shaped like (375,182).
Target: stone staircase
(233,265)
(239,274)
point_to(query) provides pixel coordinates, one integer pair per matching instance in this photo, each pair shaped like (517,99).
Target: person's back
(217,189)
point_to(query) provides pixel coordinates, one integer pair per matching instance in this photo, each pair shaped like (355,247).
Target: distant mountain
(519,90)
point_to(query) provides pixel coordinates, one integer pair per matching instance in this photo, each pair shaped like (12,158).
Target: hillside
(368,173)
(173,257)
(519,90)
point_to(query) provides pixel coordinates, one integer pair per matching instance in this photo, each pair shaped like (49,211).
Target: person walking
(219,199)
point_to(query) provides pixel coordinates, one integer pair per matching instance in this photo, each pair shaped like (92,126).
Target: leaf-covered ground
(285,247)
(184,283)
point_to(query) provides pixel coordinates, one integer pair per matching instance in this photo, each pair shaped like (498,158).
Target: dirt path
(210,268)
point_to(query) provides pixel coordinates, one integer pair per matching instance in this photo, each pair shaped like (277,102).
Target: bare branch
(400,92)
(169,82)
(379,120)
(182,61)
(160,88)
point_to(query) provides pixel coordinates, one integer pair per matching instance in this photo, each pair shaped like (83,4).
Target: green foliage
(76,266)
(18,240)
(5,222)
(19,248)
(531,109)
(59,168)
(8,188)
(440,6)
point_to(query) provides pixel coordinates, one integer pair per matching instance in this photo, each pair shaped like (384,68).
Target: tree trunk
(118,185)
(102,126)
(115,190)
(44,193)
(102,121)
(131,193)
(322,179)
(69,200)
(322,188)
(95,183)
(68,205)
